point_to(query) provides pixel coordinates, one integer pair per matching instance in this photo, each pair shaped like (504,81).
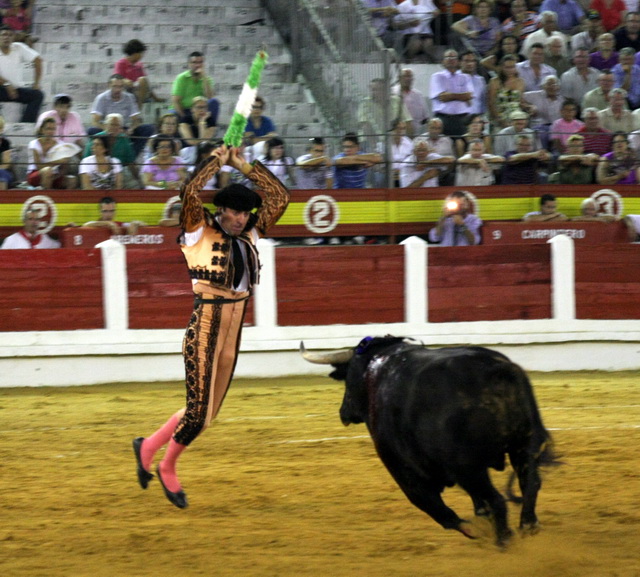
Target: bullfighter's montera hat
(237,197)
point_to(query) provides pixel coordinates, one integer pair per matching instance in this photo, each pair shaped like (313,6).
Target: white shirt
(191,238)
(424,10)
(19,241)
(410,171)
(473,175)
(312,177)
(416,104)
(12,65)
(399,152)
(542,37)
(456,83)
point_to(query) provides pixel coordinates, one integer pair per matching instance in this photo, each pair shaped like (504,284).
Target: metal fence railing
(338,55)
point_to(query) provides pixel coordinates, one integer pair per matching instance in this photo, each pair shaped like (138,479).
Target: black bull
(442,417)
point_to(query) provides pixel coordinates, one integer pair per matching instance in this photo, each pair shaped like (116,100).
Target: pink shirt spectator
(128,70)
(562,130)
(69,130)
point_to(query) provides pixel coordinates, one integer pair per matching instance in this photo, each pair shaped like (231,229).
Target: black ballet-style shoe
(179,499)
(143,475)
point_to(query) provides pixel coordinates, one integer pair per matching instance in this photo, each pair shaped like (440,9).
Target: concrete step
(126,14)
(227,72)
(121,33)
(297,112)
(161,3)
(158,52)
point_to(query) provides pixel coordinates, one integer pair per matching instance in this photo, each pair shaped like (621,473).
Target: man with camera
(457,226)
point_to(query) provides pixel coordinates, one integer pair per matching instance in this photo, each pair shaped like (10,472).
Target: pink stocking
(168,466)
(160,438)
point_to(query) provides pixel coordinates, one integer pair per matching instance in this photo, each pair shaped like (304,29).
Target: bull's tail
(511,496)
(546,458)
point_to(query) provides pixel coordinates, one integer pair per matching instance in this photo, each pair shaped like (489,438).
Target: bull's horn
(330,358)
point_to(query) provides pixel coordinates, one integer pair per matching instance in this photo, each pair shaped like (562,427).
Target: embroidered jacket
(208,260)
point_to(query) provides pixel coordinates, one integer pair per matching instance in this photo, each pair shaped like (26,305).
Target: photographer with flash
(457,226)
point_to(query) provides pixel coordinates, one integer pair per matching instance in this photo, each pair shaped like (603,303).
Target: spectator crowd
(528,93)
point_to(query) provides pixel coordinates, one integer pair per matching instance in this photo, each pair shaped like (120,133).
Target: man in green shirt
(191,83)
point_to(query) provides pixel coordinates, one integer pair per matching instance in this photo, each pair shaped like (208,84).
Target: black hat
(593,15)
(61,99)
(237,197)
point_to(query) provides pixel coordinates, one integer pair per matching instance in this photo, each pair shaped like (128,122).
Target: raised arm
(275,196)
(192,215)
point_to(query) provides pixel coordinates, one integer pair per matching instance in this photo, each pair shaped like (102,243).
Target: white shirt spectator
(456,83)
(410,171)
(12,65)
(313,177)
(424,10)
(20,240)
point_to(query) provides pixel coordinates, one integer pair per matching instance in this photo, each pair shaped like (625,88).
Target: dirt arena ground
(278,487)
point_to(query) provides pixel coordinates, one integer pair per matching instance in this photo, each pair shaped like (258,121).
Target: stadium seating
(79,45)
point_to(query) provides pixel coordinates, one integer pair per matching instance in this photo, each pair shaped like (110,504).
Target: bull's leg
(425,495)
(480,507)
(529,480)
(430,501)
(481,490)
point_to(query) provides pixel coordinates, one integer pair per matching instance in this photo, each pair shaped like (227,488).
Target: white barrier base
(109,356)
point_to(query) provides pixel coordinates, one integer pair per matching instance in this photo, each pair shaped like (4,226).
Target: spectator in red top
(135,77)
(596,138)
(18,17)
(612,12)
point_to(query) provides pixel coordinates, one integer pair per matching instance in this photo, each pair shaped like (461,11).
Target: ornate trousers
(210,349)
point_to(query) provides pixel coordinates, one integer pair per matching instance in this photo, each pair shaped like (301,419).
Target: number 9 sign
(321,214)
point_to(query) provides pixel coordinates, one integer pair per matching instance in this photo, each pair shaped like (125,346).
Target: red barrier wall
(160,295)
(482,283)
(62,289)
(340,285)
(608,282)
(50,290)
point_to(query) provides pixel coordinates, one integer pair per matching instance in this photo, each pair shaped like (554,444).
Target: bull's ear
(340,372)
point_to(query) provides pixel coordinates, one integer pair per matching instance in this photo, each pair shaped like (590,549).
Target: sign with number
(46,209)
(608,202)
(321,214)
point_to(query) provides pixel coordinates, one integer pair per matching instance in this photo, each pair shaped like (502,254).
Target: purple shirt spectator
(453,236)
(633,93)
(597,61)
(569,12)
(169,174)
(621,166)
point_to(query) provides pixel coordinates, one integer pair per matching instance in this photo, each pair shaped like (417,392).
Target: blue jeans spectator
(32,98)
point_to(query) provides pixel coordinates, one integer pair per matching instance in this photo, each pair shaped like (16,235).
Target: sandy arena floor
(278,487)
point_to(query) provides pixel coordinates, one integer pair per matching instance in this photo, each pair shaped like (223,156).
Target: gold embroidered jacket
(208,260)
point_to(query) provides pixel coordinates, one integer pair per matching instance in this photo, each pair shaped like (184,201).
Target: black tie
(238,262)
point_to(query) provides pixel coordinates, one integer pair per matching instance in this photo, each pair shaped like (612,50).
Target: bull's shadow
(440,417)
